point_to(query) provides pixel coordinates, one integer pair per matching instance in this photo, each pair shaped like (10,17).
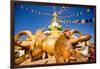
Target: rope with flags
(67,18)
(36,12)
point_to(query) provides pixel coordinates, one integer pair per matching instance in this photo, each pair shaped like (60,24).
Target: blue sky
(25,19)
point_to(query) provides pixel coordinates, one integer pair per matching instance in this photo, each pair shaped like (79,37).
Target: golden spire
(55,26)
(55,16)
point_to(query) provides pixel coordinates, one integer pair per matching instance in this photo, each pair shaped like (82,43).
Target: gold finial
(55,15)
